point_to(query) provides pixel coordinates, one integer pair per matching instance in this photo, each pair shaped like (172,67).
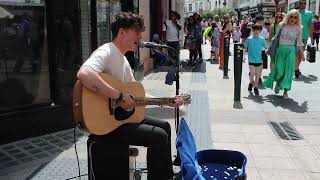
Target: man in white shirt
(171,28)
(151,133)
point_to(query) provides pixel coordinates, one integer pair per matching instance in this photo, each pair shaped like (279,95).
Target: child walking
(215,42)
(236,35)
(254,46)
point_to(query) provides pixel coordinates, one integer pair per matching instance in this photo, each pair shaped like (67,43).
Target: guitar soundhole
(120,114)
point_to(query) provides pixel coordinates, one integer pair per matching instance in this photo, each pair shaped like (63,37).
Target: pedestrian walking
(215,42)
(236,35)
(272,31)
(307,30)
(254,46)
(316,32)
(244,29)
(290,34)
(226,31)
(171,28)
(197,34)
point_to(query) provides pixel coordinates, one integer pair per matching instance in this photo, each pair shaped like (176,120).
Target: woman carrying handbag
(289,34)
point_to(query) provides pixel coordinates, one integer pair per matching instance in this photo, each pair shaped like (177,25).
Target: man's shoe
(296,74)
(299,72)
(250,87)
(276,90)
(260,81)
(256,91)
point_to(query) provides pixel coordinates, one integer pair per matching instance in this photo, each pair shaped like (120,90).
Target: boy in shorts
(254,45)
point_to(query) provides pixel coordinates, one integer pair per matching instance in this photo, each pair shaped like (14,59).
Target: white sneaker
(285,96)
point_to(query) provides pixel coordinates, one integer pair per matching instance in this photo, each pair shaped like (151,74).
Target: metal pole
(226,56)
(238,57)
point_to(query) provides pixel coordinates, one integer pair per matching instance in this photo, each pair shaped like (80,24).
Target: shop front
(42,45)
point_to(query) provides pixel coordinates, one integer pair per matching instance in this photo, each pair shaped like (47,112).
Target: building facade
(255,7)
(199,6)
(283,6)
(312,5)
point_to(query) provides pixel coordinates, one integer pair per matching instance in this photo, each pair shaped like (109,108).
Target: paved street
(216,121)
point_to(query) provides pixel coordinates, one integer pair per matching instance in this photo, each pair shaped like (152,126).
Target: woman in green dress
(285,58)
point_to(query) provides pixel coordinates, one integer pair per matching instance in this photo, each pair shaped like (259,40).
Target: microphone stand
(177,77)
(177,160)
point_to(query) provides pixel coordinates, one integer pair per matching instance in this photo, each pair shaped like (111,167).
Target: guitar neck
(154,101)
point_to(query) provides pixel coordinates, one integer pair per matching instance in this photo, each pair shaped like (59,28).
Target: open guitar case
(208,164)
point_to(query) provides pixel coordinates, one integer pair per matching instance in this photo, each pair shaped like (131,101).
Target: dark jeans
(316,38)
(176,46)
(198,50)
(152,133)
(193,55)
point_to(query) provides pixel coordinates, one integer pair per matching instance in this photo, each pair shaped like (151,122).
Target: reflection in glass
(24,75)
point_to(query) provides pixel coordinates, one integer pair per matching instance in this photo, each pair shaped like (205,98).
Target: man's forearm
(91,80)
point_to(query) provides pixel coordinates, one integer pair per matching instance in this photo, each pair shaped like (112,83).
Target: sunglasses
(295,17)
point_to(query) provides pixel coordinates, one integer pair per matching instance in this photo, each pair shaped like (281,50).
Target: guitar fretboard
(154,101)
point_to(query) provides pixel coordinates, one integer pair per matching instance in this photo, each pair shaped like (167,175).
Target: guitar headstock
(186,98)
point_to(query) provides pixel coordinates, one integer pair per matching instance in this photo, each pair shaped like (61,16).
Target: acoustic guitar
(100,115)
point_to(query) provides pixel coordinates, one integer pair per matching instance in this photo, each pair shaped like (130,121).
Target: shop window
(24,69)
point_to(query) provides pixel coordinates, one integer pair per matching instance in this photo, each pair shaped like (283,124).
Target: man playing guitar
(109,58)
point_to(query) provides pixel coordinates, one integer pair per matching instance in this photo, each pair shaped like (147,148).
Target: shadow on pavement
(278,101)
(255,98)
(307,79)
(289,104)
(237,105)
(211,61)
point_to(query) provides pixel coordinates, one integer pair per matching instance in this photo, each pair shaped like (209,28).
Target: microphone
(143,44)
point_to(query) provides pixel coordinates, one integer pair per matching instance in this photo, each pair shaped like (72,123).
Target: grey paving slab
(198,119)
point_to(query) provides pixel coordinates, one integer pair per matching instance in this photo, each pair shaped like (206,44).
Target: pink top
(316,25)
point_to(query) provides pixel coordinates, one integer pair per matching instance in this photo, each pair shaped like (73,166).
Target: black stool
(108,160)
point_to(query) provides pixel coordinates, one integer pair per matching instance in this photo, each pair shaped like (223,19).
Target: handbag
(187,42)
(272,49)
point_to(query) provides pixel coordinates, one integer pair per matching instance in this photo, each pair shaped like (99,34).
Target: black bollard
(238,59)
(226,54)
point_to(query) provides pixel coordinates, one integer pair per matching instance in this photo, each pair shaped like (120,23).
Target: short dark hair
(127,20)
(257,27)
(259,17)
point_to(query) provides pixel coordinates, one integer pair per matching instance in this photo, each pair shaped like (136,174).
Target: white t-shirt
(264,33)
(236,36)
(108,59)
(172,31)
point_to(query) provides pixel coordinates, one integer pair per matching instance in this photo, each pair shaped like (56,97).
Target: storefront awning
(4,13)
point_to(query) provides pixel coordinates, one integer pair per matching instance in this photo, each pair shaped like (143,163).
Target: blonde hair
(216,18)
(292,12)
